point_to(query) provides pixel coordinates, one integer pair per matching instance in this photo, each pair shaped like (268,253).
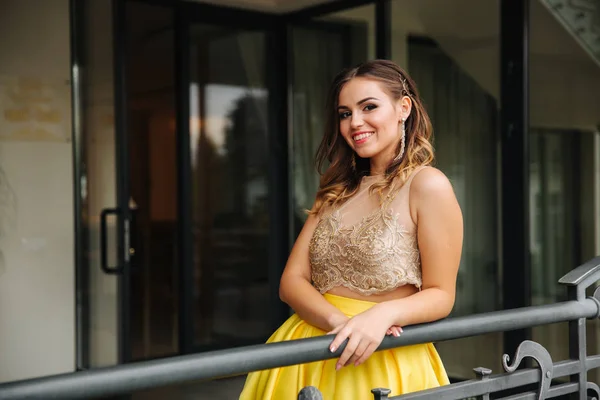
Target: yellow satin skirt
(402,370)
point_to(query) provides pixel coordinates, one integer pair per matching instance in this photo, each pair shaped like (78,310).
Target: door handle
(117,269)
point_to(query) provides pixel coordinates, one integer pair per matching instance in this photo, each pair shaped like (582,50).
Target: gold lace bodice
(366,245)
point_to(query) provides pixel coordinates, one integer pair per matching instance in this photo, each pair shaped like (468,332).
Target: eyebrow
(360,102)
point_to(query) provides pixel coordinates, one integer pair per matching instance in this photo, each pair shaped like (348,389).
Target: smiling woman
(380,249)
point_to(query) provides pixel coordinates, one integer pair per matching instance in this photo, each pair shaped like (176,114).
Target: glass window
(229,156)
(320,49)
(451,49)
(152,161)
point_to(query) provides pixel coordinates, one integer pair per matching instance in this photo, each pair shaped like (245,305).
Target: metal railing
(145,375)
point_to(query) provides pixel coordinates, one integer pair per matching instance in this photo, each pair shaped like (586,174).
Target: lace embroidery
(375,255)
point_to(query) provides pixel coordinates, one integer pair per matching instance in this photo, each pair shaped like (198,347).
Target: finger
(340,336)
(370,349)
(347,353)
(395,330)
(362,347)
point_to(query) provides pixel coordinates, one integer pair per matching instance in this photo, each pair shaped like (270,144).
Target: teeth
(362,136)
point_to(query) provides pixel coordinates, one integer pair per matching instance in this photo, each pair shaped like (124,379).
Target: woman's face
(370,120)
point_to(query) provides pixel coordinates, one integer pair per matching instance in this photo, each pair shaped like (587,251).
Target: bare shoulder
(430,181)
(432,190)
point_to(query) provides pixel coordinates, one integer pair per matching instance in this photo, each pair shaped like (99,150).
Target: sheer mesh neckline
(372,178)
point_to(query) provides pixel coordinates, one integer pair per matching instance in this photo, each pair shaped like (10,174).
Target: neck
(380,163)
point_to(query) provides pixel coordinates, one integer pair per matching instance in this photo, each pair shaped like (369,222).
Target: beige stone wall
(37,287)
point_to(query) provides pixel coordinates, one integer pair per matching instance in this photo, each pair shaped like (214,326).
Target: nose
(356,121)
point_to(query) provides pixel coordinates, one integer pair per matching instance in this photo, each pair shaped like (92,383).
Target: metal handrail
(145,375)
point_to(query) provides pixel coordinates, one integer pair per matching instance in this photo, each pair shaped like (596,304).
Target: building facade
(156,159)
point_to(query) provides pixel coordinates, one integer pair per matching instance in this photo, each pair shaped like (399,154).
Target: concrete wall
(37,321)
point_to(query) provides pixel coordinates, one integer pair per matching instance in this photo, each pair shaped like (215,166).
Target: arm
(296,289)
(440,235)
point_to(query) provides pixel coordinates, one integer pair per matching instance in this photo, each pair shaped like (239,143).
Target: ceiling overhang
(270,6)
(581,18)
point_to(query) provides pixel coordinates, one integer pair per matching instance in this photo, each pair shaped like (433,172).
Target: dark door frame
(122,179)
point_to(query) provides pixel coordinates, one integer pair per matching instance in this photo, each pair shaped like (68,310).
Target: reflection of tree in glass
(247,158)
(246,176)
(8,212)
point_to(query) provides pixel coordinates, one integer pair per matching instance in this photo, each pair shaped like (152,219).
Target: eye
(344,115)
(370,107)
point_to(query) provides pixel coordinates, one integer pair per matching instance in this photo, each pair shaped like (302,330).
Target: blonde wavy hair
(340,180)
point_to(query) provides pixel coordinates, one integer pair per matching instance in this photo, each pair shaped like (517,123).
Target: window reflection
(320,49)
(152,161)
(229,170)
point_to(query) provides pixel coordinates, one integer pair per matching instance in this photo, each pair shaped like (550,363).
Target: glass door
(152,164)
(128,175)
(180,183)
(104,210)
(229,156)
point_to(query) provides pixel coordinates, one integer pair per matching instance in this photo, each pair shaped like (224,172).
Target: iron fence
(145,375)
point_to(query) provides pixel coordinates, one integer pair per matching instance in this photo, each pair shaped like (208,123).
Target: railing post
(483,374)
(577,281)
(380,393)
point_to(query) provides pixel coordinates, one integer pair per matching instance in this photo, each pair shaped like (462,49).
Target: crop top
(367,244)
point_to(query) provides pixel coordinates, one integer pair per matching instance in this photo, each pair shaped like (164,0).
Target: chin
(368,151)
(365,154)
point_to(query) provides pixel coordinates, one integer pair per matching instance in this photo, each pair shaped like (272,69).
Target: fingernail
(356,364)
(396,334)
(332,349)
(401,330)
(338,367)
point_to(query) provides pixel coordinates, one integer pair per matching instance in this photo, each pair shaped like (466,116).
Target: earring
(402,142)
(353,162)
